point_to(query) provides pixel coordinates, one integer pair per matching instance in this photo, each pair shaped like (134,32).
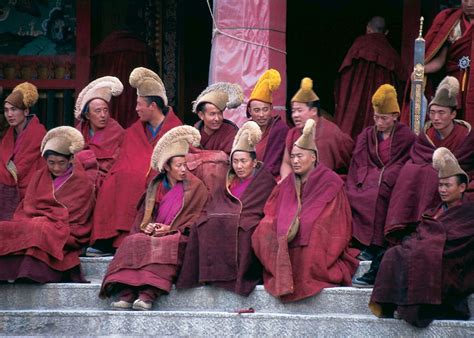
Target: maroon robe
(318,256)
(371,179)
(416,189)
(154,261)
(334,146)
(222,139)
(219,250)
(369,63)
(431,274)
(48,229)
(117,199)
(24,151)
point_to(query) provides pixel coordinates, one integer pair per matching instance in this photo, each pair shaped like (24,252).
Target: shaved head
(376,25)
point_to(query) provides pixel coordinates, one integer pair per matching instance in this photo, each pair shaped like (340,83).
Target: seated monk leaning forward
(20,154)
(303,239)
(430,275)
(217,133)
(219,251)
(146,263)
(52,224)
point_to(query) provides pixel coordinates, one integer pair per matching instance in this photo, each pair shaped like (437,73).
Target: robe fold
(318,255)
(416,188)
(26,156)
(373,172)
(370,62)
(50,226)
(154,261)
(118,197)
(334,146)
(105,144)
(430,274)
(222,139)
(219,250)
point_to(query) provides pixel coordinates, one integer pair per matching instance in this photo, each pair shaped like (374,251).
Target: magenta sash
(237,187)
(59,181)
(171,204)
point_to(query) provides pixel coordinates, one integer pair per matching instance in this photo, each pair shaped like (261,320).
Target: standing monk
(259,108)
(118,197)
(43,241)
(102,134)
(217,133)
(146,263)
(431,275)
(20,153)
(334,146)
(370,62)
(303,239)
(219,251)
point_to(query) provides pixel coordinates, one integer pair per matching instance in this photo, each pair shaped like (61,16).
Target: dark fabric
(273,146)
(219,250)
(431,273)
(222,139)
(370,62)
(370,182)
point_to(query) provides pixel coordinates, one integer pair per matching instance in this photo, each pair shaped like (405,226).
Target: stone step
(57,322)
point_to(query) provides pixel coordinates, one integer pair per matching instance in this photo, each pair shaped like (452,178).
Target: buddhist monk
(146,263)
(302,242)
(20,154)
(102,134)
(274,130)
(219,251)
(334,146)
(430,274)
(118,197)
(52,223)
(217,133)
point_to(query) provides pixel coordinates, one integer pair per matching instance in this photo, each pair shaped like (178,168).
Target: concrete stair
(75,309)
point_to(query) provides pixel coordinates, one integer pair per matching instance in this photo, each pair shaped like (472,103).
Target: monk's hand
(161,229)
(150,227)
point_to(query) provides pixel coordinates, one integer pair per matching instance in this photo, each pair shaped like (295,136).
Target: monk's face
(211,116)
(468,8)
(384,122)
(302,160)
(57,165)
(450,190)
(98,114)
(145,111)
(300,113)
(261,113)
(441,117)
(243,164)
(176,169)
(14,115)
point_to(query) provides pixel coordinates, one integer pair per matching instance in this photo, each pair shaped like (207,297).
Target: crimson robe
(318,256)
(154,261)
(370,181)
(105,144)
(370,62)
(431,274)
(334,146)
(49,228)
(271,147)
(25,153)
(219,250)
(118,197)
(222,138)
(416,189)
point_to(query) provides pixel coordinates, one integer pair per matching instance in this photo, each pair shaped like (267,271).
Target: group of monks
(214,204)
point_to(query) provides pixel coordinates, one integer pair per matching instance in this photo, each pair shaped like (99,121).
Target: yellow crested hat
(385,101)
(306,93)
(265,86)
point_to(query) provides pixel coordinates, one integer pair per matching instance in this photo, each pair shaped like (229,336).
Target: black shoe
(365,255)
(364,281)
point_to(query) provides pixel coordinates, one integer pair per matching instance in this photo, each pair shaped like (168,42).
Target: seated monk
(430,274)
(217,133)
(102,134)
(52,223)
(219,251)
(415,189)
(118,197)
(274,130)
(380,153)
(146,263)
(302,242)
(20,154)
(334,146)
